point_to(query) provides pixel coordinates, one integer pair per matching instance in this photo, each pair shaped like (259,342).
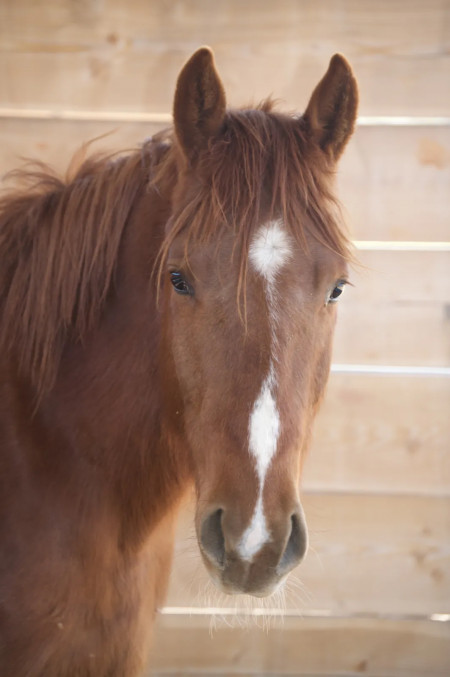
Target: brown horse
(166,319)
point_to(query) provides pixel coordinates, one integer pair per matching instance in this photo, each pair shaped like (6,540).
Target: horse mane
(59,241)
(60,237)
(260,155)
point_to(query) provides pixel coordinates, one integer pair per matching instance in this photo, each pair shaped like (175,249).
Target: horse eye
(179,283)
(336,292)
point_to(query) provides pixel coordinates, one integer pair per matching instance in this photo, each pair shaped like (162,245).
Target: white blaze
(269,252)
(264,426)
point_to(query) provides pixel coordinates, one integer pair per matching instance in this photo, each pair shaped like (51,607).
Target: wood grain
(394,183)
(382,434)
(120,56)
(397,312)
(327,647)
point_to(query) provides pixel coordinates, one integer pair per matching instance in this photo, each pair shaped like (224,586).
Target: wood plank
(56,141)
(402,278)
(382,434)
(385,648)
(397,312)
(115,55)
(393,182)
(390,333)
(373,554)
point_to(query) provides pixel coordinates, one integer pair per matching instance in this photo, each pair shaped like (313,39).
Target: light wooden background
(374,594)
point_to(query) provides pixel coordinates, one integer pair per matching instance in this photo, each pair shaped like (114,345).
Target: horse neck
(106,414)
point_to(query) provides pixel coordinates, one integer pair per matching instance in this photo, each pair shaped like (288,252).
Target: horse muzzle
(259,572)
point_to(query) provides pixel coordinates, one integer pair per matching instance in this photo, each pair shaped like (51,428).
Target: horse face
(251,350)
(250,387)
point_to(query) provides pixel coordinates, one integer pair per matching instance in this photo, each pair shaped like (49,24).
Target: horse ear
(199,105)
(331,112)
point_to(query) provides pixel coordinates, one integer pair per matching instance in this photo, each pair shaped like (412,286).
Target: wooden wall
(374,592)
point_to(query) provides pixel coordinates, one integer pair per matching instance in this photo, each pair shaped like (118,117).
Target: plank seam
(166,118)
(324,614)
(401,246)
(390,370)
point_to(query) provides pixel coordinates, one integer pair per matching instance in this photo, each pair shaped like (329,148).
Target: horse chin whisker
(246,612)
(297,593)
(318,557)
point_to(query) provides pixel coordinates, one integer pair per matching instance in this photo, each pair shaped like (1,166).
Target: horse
(166,323)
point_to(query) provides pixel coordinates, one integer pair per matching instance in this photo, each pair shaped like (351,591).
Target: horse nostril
(211,538)
(297,544)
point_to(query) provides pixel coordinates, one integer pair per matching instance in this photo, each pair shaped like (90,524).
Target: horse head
(251,268)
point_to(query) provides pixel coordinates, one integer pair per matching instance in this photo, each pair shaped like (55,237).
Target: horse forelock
(262,165)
